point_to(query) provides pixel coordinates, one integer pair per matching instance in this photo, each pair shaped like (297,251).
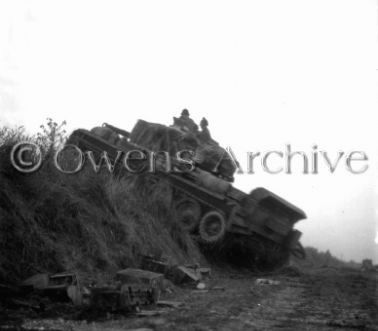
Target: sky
(264,74)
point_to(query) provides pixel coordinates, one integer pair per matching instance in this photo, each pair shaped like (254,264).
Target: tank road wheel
(188,214)
(212,227)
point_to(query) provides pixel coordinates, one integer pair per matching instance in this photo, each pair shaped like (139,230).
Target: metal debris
(265,281)
(178,274)
(182,275)
(59,287)
(135,277)
(154,264)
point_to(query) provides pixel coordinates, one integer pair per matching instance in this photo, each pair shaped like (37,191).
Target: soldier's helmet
(204,122)
(185,112)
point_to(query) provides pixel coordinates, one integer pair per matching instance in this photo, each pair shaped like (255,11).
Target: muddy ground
(320,299)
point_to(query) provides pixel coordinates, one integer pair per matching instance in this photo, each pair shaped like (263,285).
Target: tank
(253,229)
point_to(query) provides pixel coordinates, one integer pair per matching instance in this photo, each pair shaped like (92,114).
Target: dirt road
(323,299)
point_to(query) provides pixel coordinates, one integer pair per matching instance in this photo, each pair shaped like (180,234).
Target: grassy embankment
(87,222)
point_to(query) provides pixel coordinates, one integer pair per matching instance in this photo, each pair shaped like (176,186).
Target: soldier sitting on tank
(185,123)
(204,135)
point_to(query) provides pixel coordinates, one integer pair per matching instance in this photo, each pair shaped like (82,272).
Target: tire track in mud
(329,301)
